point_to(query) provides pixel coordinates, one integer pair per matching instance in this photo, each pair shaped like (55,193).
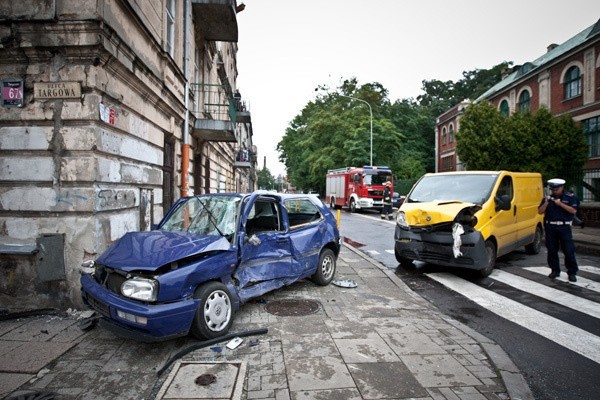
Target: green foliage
(265,180)
(523,142)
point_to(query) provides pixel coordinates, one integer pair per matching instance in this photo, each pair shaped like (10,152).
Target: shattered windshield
(475,188)
(205,215)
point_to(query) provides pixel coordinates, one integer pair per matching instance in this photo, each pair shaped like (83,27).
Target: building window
(572,83)
(504,109)
(196,83)
(591,127)
(170,14)
(451,133)
(448,163)
(444,135)
(524,101)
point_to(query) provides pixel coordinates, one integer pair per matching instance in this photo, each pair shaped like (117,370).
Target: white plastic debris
(457,230)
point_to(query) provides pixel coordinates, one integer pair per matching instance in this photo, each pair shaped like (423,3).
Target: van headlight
(401,219)
(140,289)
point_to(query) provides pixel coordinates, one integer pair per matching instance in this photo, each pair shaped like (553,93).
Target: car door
(265,250)
(307,229)
(504,221)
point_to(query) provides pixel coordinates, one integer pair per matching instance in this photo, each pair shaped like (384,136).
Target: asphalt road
(552,370)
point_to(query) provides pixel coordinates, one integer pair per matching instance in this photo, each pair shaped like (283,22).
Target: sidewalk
(378,340)
(587,240)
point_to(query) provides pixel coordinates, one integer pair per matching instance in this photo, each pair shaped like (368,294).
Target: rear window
(301,212)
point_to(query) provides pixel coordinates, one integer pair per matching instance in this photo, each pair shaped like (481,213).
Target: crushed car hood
(435,212)
(151,250)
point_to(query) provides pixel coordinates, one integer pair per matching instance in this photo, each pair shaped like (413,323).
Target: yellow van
(466,219)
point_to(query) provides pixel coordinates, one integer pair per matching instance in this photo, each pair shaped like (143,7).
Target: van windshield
(475,188)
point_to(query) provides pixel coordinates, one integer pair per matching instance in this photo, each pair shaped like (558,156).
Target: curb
(513,379)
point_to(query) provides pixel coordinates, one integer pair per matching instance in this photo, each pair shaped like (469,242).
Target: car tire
(404,262)
(352,206)
(490,249)
(214,315)
(326,268)
(536,246)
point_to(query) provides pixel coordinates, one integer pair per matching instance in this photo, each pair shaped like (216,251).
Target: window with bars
(591,127)
(525,101)
(170,15)
(572,83)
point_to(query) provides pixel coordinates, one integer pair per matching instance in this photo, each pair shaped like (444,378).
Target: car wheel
(325,269)
(404,262)
(490,249)
(214,315)
(536,246)
(352,206)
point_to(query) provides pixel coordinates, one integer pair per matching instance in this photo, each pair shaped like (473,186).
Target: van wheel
(490,249)
(352,206)
(214,315)
(404,262)
(536,246)
(325,269)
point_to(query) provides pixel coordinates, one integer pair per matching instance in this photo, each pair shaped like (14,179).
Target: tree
(540,142)
(266,181)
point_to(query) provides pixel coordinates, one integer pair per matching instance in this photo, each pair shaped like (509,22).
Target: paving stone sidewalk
(376,341)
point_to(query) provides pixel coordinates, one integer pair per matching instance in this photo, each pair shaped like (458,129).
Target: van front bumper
(435,247)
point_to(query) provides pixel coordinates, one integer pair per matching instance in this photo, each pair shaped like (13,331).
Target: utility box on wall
(51,257)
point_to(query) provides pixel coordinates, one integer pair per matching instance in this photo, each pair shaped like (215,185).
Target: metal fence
(585,183)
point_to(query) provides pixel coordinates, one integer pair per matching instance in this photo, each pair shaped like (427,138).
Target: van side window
(264,216)
(301,212)
(506,187)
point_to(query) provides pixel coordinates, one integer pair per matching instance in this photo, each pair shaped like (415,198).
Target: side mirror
(502,202)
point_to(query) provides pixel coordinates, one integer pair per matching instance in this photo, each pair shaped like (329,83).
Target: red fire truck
(357,187)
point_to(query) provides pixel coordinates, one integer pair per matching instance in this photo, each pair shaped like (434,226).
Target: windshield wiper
(211,217)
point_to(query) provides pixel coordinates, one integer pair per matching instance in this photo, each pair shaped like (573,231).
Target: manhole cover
(290,308)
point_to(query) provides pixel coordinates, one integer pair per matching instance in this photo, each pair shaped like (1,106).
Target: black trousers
(560,237)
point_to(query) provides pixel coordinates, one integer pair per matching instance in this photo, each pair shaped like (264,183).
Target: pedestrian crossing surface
(576,339)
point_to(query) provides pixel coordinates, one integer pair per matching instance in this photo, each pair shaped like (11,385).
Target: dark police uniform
(557,225)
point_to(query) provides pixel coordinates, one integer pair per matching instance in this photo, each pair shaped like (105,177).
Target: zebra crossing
(576,339)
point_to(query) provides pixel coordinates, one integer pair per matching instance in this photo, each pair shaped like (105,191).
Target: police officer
(559,208)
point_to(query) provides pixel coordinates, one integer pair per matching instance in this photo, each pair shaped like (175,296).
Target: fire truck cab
(357,187)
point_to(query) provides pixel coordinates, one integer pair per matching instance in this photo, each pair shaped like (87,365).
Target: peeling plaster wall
(63,168)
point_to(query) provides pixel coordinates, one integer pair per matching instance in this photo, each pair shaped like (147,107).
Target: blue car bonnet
(151,250)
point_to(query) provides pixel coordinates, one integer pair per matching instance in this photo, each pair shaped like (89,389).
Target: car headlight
(140,289)
(401,219)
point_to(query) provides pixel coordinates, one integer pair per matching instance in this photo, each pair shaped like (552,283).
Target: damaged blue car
(209,254)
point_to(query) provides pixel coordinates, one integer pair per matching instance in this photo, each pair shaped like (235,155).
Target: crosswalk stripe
(589,268)
(373,252)
(557,296)
(571,337)
(582,282)
(390,251)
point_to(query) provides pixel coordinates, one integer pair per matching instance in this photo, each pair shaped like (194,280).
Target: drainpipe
(185,148)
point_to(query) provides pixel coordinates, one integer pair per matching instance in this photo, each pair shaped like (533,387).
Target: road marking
(390,251)
(568,336)
(582,282)
(393,222)
(589,268)
(556,296)
(373,252)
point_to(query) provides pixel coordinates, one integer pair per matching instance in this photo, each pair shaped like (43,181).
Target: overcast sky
(288,47)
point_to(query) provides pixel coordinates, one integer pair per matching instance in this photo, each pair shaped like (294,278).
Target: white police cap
(556,182)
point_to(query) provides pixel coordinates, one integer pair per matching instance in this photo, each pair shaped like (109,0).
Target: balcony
(216,20)
(244,157)
(217,112)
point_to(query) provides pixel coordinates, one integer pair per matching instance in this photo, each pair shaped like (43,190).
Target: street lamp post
(371,113)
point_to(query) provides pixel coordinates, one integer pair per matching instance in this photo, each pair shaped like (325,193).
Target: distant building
(566,79)
(110,112)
